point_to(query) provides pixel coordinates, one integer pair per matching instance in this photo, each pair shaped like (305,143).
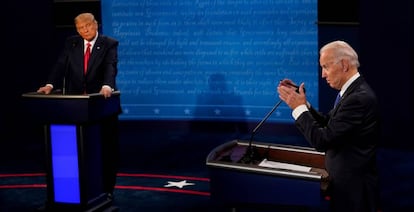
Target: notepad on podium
(286,166)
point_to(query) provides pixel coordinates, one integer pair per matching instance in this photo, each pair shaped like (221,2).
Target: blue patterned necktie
(338,98)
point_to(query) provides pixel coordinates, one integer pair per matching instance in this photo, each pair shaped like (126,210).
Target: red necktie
(86,57)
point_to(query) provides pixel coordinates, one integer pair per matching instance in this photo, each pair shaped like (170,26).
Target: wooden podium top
(64,96)
(229,154)
(61,109)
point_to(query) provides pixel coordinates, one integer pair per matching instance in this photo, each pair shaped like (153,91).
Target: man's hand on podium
(106,91)
(47,89)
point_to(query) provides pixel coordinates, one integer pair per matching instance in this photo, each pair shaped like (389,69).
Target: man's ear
(345,65)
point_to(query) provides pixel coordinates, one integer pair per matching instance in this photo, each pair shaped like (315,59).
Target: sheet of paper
(288,166)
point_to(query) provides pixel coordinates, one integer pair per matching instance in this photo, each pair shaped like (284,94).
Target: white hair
(342,49)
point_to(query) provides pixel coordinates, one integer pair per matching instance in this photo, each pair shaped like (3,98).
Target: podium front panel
(65,171)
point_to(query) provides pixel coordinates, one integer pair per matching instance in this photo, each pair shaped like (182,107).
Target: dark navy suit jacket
(349,135)
(68,72)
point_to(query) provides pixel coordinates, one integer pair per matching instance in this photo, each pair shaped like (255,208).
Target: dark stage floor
(151,161)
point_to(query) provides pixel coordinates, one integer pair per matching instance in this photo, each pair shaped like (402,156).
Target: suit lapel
(348,91)
(352,87)
(77,55)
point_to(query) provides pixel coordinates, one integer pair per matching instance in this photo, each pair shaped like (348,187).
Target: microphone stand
(251,154)
(65,75)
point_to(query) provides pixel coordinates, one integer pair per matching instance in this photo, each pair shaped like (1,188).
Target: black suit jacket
(68,72)
(349,135)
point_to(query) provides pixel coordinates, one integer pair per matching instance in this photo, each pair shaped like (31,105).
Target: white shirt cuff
(299,110)
(107,86)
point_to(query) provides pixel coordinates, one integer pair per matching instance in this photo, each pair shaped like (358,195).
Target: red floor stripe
(23,186)
(24,175)
(163,176)
(143,188)
(163,189)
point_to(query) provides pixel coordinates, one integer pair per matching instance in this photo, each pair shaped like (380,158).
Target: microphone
(64,75)
(251,154)
(295,86)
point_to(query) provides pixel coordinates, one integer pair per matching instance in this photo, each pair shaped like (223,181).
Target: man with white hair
(348,133)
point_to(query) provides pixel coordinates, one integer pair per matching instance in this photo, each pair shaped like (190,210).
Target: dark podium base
(73,131)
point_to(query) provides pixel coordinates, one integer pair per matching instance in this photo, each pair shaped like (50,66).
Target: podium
(72,134)
(284,175)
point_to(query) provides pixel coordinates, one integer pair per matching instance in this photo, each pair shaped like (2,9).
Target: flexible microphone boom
(251,154)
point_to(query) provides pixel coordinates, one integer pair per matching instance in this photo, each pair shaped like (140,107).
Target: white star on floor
(179,184)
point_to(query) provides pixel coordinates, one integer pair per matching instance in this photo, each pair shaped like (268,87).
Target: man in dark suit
(97,74)
(68,72)
(348,134)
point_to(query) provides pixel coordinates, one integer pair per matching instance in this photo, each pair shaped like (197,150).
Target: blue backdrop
(211,60)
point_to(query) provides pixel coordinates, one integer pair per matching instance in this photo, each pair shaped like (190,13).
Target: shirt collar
(92,42)
(349,82)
